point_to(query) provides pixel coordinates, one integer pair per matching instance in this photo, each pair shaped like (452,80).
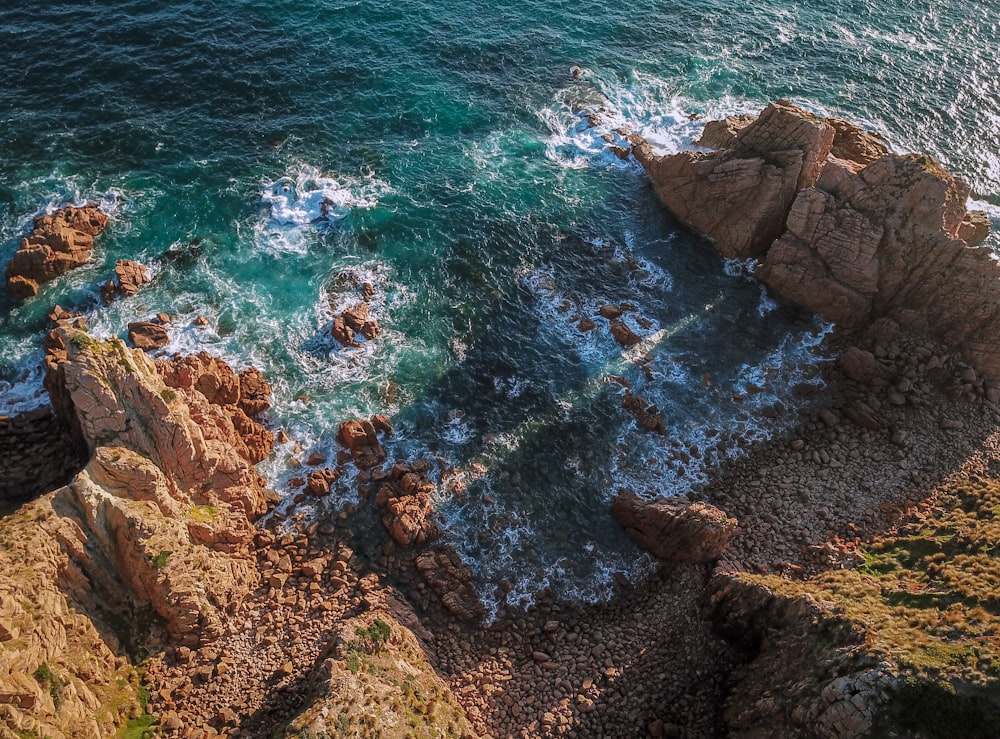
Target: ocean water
(450,143)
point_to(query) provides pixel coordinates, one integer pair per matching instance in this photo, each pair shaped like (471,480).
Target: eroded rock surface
(58,242)
(841,226)
(675,529)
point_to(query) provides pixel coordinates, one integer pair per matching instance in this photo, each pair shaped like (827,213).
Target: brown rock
(854,144)
(56,244)
(623,334)
(610,312)
(845,228)
(739,196)
(862,366)
(648,416)
(356,316)
(452,581)
(342,332)
(146,335)
(586,324)
(318,481)
(674,529)
(722,134)
(131,276)
(255,392)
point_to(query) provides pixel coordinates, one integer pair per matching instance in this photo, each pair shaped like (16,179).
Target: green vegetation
(160,560)
(168,395)
(55,684)
(929,600)
(374,636)
(140,728)
(203,513)
(82,340)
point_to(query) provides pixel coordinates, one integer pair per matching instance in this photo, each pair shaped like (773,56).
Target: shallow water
(463,181)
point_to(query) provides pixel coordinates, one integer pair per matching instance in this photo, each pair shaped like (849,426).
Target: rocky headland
(836,581)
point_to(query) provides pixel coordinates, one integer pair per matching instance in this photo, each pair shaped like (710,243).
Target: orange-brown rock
(675,529)
(624,335)
(342,332)
(163,455)
(130,276)
(56,244)
(156,529)
(360,438)
(647,415)
(843,227)
(318,482)
(255,392)
(147,335)
(722,134)
(739,196)
(405,502)
(452,581)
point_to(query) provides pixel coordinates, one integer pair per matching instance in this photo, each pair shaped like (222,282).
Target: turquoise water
(469,190)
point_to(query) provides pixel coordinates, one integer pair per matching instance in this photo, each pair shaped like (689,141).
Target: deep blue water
(484,210)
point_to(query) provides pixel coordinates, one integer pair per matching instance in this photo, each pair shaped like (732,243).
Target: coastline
(903,423)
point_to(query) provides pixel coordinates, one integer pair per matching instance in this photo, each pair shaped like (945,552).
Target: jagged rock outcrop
(360,438)
(846,694)
(841,226)
(376,661)
(58,242)
(739,196)
(405,501)
(452,581)
(154,534)
(675,529)
(129,277)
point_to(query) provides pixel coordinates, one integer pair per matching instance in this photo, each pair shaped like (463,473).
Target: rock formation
(129,277)
(57,243)
(156,529)
(147,335)
(675,529)
(452,580)
(405,502)
(360,438)
(841,226)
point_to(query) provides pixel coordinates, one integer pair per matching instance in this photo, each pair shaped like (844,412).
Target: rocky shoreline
(145,595)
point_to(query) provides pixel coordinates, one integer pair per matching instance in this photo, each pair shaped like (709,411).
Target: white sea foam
(306,198)
(594,112)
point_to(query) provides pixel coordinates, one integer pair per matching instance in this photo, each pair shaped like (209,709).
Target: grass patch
(203,513)
(160,560)
(55,684)
(140,728)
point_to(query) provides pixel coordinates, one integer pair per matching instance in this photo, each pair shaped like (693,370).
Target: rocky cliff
(152,537)
(841,226)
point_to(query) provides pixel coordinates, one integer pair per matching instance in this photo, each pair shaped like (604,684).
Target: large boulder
(452,581)
(739,196)
(405,502)
(675,529)
(57,243)
(841,226)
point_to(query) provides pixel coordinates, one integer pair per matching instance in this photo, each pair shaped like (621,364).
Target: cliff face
(841,226)
(156,529)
